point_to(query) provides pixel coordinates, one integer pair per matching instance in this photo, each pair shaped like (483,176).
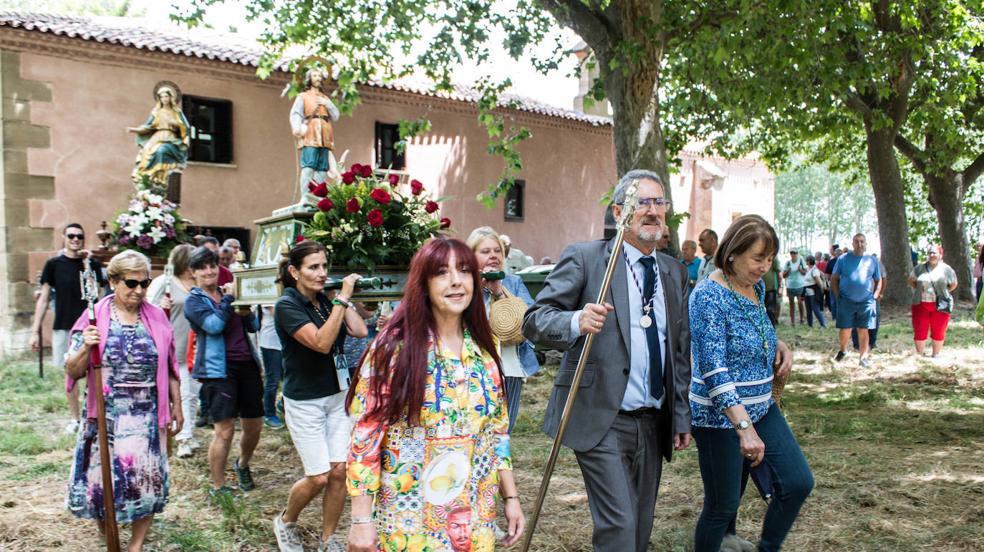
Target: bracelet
(342,302)
(514,497)
(361,520)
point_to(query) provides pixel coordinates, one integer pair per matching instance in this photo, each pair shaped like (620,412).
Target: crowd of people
(406,408)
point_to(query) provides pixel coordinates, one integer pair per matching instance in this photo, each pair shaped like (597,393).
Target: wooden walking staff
(90,293)
(628,209)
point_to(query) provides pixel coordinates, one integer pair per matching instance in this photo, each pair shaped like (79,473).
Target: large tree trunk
(893,226)
(632,85)
(946,194)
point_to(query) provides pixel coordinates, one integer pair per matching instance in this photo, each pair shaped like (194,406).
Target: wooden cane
(41,353)
(90,292)
(629,207)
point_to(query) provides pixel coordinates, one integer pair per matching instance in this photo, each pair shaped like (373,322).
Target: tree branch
(973,171)
(580,18)
(911,152)
(853,100)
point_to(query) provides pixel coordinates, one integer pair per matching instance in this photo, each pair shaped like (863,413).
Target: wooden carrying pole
(168,274)
(628,209)
(90,292)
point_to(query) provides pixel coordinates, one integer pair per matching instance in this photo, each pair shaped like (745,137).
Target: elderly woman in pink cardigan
(142,393)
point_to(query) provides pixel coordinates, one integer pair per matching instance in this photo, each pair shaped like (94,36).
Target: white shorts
(59,347)
(321,431)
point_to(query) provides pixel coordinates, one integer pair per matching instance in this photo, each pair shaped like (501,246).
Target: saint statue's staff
(627,213)
(90,294)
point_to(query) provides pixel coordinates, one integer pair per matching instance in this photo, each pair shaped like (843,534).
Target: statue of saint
(163,138)
(310,121)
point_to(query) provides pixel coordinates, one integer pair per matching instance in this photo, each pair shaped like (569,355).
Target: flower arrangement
(150,225)
(365,221)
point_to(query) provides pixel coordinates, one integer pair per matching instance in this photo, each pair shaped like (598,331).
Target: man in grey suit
(632,407)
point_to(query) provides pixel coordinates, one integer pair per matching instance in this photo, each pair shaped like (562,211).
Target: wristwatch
(743,424)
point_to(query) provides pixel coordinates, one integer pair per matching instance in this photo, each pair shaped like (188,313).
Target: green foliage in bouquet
(364,221)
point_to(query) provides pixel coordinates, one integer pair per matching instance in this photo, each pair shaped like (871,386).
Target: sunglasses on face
(132,284)
(75,236)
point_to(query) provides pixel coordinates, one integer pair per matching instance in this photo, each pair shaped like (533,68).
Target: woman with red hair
(931,282)
(431,428)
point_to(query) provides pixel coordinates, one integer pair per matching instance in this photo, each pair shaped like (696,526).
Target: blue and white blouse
(730,366)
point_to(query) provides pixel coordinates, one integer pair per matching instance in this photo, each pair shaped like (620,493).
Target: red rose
(348,177)
(365,171)
(311,186)
(321,190)
(416,187)
(394,179)
(352,205)
(325,204)
(355,168)
(299,238)
(380,195)
(445,223)
(431,206)
(375,218)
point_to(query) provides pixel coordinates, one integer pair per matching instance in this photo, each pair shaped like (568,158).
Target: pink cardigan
(159,328)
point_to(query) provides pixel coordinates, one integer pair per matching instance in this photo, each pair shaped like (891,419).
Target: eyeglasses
(647,202)
(132,284)
(74,236)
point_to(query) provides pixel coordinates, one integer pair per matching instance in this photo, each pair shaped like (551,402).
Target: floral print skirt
(140,473)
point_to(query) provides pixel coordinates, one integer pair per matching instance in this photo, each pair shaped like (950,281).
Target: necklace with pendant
(129,332)
(646,320)
(751,319)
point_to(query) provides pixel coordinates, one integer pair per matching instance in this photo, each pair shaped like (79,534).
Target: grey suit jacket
(575,281)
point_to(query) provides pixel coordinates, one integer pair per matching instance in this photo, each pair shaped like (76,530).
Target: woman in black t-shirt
(311,329)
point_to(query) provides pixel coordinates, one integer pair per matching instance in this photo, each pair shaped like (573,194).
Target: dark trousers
(980,286)
(772,306)
(721,468)
(813,309)
(621,477)
(514,390)
(273,370)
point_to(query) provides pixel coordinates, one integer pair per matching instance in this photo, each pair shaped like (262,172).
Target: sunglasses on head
(75,236)
(132,284)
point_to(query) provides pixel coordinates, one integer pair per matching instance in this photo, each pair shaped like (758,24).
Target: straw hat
(506,318)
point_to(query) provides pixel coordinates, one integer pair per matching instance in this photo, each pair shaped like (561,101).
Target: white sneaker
(71,428)
(288,535)
(195,444)
(331,544)
(184,450)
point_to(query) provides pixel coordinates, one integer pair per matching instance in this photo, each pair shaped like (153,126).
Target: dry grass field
(896,451)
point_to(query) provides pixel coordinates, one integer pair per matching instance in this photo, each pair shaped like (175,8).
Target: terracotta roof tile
(204,43)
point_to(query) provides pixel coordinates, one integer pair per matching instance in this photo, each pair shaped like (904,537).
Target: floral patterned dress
(426,479)
(140,472)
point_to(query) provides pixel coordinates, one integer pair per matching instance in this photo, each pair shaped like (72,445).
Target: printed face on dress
(750,266)
(450,290)
(127,297)
(459,530)
(313,274)
(649,219)
(206,277)
(489,254)
(859,243)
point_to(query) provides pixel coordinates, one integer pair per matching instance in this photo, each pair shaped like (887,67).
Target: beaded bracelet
(361,520)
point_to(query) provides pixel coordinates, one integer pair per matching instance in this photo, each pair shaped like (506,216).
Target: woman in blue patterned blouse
(736,424)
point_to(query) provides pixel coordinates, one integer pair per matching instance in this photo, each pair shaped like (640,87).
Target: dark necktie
(652,332)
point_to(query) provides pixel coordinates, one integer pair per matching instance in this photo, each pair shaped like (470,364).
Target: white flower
(154,199)
(136,224)
(154,213)
(168,220)
(136,206)
(156,233)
